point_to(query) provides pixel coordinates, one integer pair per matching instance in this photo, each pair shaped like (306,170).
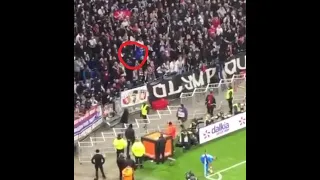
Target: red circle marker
(137,44)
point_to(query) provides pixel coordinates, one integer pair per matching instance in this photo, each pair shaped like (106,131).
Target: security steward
(236,108)
(128,173)
(130,136)
(98,160)
(211,103)
(144,110)
(229,98)
(138,151)
(160,149)
(121,162)
(119,144)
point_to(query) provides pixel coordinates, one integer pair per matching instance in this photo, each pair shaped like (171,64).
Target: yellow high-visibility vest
(144,110)
(119,144)
(138,149)
(228,94)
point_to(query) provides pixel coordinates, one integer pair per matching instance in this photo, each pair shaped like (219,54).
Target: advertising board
(222,128)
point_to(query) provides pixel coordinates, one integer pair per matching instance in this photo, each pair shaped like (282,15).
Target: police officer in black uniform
(121,162)
(160,149)
(98,160)
(130,136)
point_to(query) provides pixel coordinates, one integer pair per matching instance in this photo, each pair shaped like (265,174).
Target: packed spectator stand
(181,35)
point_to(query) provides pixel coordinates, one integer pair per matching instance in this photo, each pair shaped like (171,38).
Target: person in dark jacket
(211,103)
(130,136)
(124,117)
(130,162)
(160,149)
(121,162)
(98,160)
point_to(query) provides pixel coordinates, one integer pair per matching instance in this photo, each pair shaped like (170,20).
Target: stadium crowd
(181,35)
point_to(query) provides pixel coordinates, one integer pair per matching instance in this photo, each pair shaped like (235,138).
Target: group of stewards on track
(127,166)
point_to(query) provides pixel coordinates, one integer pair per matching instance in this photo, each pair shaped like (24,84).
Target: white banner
(134,96)
(222,128)
(87,123)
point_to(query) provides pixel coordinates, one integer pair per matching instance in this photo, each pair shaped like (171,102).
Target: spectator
(124,117)
(181,35)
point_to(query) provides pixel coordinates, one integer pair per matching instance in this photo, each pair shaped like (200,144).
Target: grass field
(230,151)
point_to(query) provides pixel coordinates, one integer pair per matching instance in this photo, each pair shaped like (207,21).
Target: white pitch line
(226,169)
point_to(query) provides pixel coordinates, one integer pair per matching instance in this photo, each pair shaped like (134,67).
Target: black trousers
(139,161)
(145,121)
(97,173)
(130,142)
(230,105)
(119,151)
(120,174)
(210,110)
(158,158)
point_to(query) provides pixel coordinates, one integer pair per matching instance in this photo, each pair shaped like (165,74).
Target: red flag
(121,14)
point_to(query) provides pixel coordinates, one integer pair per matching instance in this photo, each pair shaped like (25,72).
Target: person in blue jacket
(206,160)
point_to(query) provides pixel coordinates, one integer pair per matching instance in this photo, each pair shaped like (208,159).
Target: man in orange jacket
(171,130)
(128,173)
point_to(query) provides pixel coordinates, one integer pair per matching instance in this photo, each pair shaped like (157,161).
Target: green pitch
(230,165)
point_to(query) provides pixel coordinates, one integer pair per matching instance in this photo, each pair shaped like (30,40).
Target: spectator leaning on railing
(181,35)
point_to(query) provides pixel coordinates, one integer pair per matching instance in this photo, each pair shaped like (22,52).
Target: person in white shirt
(75,85)
(221,11)
(160,71)
(219,30)
(172,67)
(166,67)
(178,66)
(92,42)
(101,11)
(79,38)
(93,101)
(180,63)
(125,23)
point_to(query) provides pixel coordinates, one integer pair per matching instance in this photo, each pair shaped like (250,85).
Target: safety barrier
(104,143)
